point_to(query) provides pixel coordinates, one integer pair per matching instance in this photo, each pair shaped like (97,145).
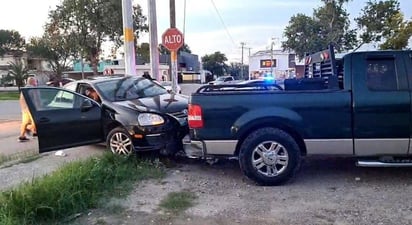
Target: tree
(18,72)
(144,51)
(328,24)
(56,47)
(93,21)
(10,41)
(215,63)
(235,70)
(164,51)
(383,23)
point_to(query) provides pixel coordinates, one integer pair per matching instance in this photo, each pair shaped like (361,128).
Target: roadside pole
(173,57)
(173,53)
(129,52)
(154,52)
(172,39)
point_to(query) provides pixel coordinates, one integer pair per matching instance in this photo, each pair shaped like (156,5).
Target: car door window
(71,87)
(48,99)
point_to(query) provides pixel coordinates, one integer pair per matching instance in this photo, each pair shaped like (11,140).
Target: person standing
(27,123)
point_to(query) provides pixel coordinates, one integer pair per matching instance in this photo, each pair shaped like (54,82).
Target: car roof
(98,79)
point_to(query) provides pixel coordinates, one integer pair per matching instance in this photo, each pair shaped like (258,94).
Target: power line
(223,23)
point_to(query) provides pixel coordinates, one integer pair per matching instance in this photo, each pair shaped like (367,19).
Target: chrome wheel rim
(270,158)
(120,143)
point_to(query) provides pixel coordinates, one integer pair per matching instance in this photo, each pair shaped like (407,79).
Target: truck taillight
(195,116)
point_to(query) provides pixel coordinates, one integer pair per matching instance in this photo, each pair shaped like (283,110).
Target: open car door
(63,118)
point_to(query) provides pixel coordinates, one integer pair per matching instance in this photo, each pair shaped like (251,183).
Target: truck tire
(119,141)
(269,156)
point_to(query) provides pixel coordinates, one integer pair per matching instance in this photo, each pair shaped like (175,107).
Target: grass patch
(178,201)
(72,189)
(20,157)
(9,95)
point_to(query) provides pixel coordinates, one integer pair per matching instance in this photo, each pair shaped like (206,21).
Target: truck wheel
(269,156)
(120,142)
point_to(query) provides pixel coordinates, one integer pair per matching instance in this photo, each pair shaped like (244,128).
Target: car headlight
(149,119)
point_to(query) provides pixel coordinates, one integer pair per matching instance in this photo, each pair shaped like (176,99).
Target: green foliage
(178,201)
(91,22)
(18,72)
(10,41)
(9,95)
(57,47)
(17,157)
(235,70)
(72,189)
(144,52)
(328,24)
(215,63)
(382,22)
(185,48)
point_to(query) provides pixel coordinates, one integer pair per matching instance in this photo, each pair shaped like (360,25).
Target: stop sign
(172,39)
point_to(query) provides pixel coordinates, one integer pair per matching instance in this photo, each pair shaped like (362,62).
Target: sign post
(172,39)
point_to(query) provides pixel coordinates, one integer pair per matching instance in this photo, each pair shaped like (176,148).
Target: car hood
(166,103)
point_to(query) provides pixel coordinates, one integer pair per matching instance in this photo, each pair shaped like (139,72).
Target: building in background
(188,68)
(278,64)
(38,67)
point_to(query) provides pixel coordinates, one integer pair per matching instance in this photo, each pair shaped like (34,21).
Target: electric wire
(223,23)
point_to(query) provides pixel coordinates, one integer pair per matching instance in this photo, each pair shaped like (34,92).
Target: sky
(209,25)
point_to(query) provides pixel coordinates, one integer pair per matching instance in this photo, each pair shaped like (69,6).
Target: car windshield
(220,79)
(129,88)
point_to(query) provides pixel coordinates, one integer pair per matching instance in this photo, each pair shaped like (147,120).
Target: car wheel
(269,156)
(120,142)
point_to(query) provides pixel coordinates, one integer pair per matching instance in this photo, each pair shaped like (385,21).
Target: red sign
(172,39)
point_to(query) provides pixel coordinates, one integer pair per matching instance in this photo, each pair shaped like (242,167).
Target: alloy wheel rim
(120,143)
(270,158)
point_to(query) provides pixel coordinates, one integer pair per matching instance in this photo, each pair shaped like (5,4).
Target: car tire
(120,142)
(269,156)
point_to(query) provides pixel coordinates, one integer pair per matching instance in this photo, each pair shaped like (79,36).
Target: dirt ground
(325,191)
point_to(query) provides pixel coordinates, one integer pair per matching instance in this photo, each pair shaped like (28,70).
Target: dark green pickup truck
(358,105)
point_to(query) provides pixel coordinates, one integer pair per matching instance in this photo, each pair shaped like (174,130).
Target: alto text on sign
(172,39)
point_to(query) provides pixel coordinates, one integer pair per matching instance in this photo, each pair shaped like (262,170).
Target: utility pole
(249,63)
(241,66)
(184,18)
(154,52)
(271,57)
(173,53)
(129,53)
(172,14)
(272,42)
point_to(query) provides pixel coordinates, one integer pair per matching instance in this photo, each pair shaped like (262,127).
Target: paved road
(9,110)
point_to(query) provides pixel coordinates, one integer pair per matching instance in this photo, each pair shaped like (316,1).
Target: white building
(37,66)
(285,64)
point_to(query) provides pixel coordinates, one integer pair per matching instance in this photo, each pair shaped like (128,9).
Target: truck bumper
(193,149)
(202,148)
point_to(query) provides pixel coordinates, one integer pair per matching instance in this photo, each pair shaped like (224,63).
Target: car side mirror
(86,105)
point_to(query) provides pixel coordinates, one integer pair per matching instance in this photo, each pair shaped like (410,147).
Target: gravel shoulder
(326,191)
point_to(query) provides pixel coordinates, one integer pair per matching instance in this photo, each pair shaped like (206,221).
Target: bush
(74,188)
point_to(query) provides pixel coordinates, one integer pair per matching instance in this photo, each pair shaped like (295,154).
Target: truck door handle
(44,120)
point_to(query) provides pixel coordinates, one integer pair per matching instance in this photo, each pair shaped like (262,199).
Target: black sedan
(130,113)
